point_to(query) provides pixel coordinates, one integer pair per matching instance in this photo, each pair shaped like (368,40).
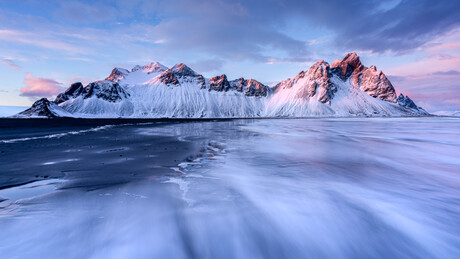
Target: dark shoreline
(57,122)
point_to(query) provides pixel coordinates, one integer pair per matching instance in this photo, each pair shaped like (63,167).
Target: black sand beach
(85,151)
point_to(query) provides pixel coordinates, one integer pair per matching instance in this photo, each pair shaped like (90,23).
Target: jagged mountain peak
(74,90)
(372,81)
(321,63)
(348,65)
(183,70)
(156,66)
(344,88)
(318,70)
(405,101)
(117,74)
(151,67)
(219,83)
(43,108)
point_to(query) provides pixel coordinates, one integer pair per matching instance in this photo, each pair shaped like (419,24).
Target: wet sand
(88,152)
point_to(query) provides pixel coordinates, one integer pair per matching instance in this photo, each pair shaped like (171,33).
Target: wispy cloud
(86,13)
(37,87)
(447,73)
(207,65)
(39,40)
(10,63)
(433,91)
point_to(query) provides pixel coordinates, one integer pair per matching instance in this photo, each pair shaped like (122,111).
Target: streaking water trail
(321,188)
(57,135)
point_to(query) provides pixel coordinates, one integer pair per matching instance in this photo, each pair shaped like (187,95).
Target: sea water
(280,188)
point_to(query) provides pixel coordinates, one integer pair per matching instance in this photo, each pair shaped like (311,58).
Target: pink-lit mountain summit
(344,88)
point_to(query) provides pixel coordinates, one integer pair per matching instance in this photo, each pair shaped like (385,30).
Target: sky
(47,45)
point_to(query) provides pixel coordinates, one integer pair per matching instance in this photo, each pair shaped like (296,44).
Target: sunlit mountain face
(344,88)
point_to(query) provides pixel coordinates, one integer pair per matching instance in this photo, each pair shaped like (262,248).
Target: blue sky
(47,45)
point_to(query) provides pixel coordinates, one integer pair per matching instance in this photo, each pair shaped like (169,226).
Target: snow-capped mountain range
(344,88)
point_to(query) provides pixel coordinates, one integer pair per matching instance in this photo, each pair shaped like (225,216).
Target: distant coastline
(6,110)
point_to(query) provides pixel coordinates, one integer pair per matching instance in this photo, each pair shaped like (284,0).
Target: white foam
(58,135)
(30,190)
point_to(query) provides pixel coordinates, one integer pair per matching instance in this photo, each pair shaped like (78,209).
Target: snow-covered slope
(448,113)
(43,108)
(345,88)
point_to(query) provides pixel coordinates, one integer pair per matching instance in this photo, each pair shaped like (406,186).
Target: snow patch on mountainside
(43,108)
(347,101)
(156,100)
(345,88)
(447,113)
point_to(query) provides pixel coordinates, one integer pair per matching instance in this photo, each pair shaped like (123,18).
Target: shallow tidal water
(280,188)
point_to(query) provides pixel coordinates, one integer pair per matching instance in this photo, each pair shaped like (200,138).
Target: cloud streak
(434,91)
(250,30)
(11,64)
(38,40)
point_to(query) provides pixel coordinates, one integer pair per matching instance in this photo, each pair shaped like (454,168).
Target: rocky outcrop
(370,80)
(153,67)
(182,72)
(73,91)
(249,87)
(316,83)
(169,78)
(407,102)
(219,83)
(40,108)
(105,90)
(350,66)
(117,74)
(376,84)
(344,88)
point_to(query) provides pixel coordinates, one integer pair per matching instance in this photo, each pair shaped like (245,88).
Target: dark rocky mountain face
(40,108)
(117,74)
(183,72)
(370,80)
(254,88)
(250,87)
(405,101)
(348,66)
(219,83)
(106,90)
(319,82)
(73,91)
(153,67)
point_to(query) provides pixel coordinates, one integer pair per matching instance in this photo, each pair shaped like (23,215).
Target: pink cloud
(10,63)
(40,87)
(434,91)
